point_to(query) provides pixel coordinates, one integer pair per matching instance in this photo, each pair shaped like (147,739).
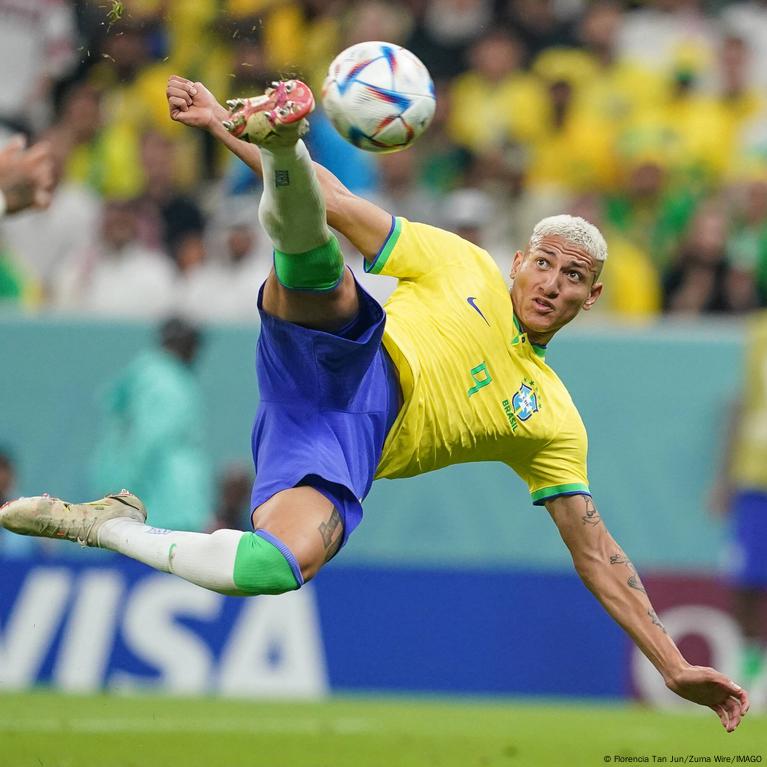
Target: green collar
(520,337)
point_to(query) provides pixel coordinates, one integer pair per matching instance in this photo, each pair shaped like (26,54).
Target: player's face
(552,283)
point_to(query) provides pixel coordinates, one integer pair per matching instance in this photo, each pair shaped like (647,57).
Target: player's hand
(27,176)
(708,687)
(192,104)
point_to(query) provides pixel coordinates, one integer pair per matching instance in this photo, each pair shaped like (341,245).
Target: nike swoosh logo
(471,301)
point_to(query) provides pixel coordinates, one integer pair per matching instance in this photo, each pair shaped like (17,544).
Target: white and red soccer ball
(379,96)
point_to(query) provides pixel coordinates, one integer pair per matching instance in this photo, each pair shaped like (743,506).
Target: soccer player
(741,494)
(452,371)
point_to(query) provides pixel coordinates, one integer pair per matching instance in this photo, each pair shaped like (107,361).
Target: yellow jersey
(474,387)
(748,462)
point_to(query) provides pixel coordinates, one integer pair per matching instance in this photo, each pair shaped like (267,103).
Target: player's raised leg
(278,557)
(310,284)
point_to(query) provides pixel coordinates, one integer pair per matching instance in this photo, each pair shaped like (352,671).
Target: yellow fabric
(487,115)
(460,370)
(632,287)
(748,466)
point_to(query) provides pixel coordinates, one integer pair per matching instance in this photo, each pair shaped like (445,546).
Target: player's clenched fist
(191,103)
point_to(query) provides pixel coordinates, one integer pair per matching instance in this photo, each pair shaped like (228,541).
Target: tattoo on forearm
(592,515)
(656,620)
(329,530)
(633,580)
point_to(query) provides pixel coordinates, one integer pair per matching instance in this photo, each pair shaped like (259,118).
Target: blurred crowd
(647,118)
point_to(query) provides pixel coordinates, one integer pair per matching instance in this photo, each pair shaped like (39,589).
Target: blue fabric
(327,401)
(747,558)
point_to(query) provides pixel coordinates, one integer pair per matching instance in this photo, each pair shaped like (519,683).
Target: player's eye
(542,262)
(576,276)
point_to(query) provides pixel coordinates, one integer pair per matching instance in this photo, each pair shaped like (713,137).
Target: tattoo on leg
(633,580)
(592,515)
(329,530)
(281,178)
(656,620)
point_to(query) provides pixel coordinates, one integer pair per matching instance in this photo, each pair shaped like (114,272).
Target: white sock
(292,209)
(201,558)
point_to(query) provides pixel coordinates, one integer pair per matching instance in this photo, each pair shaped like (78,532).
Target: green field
(49,730)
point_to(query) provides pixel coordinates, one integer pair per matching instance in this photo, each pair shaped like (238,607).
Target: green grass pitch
(44,729)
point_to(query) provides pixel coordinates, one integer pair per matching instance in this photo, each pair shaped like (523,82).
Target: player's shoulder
(453,248)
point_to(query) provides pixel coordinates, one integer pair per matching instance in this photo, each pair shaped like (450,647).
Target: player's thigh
(325,311)
(306,522)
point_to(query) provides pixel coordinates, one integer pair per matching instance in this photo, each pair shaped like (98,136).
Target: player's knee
(265,565)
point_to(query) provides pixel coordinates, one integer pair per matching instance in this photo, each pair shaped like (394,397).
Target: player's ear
(516,263)
(596,291)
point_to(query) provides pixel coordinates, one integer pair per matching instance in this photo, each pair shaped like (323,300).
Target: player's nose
(550,284)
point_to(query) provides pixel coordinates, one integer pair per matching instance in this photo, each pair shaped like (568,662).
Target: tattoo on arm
(330,532)
(633,580)
(656,620)
(592,515)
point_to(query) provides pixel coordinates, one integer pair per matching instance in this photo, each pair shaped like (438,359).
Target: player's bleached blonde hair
(574,229)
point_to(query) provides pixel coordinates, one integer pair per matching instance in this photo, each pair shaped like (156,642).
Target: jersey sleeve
(412,250)
(559,467)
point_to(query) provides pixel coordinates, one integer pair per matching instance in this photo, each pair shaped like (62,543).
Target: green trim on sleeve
(386,248)
(547,493)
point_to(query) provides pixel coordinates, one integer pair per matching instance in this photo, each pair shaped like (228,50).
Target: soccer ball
(379,96)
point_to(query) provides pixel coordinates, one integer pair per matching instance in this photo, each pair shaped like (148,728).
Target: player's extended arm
(610,576)
(364,224)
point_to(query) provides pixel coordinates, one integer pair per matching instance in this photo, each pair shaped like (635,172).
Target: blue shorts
(747,553)
(327,402)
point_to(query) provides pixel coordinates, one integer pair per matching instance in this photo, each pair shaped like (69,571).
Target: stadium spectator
(165,213)
(651,208)
(700,280)
(748,20)
(676,27)
(40,241)
(740,495)
(747,240)
(233,503)
(37,47)
(572,149)
(225,286)
(153,435)
(608,86)
(538,24)
(443,32)
(116,276)
(632,285)
(511,102)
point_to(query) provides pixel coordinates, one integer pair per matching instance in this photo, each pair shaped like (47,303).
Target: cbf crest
(523,405)
(525,401)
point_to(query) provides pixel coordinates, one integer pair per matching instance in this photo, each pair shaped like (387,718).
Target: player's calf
(226,561)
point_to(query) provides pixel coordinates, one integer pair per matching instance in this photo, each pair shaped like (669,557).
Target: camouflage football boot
(48,517)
